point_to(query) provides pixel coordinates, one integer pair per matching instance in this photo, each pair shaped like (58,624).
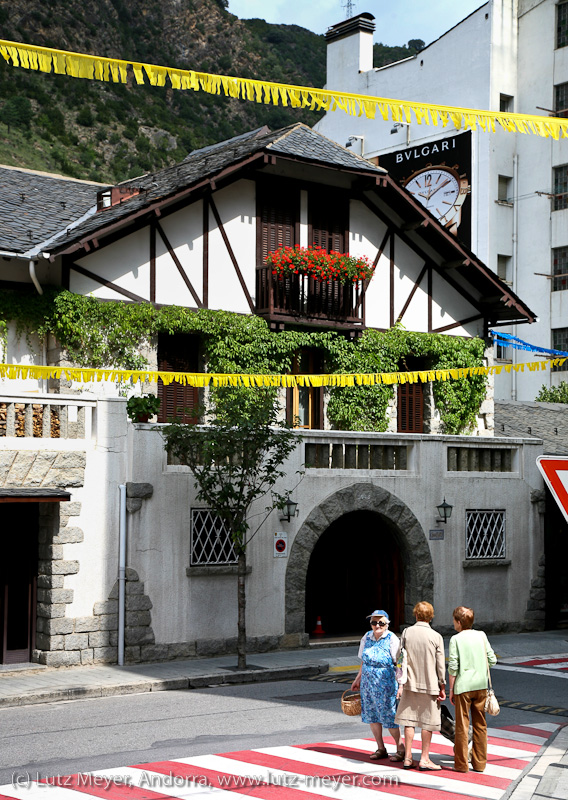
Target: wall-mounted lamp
(445,511)
(290,509)
(351,139)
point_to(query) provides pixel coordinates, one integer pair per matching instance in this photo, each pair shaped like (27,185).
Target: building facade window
(560,190)
(560,269)
(560,342)
(561,99)
(410,408)
(505,189)
(304,404)
(211,542)
(504,268)
(503,353)
(506,103)
(562,24)
(178,353)
(484,534)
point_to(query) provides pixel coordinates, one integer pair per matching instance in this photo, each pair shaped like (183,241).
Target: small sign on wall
(280,544)
(437,533)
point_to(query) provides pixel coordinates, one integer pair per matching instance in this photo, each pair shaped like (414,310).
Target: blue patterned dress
(378,683)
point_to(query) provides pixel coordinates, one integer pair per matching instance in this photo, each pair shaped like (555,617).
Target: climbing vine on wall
(114,334)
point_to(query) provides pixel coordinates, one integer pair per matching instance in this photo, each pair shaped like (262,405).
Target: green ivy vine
(112,334)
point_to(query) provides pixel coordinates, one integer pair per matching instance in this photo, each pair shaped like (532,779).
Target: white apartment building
(507,193)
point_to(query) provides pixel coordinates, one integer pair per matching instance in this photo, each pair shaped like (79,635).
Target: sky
(396,21)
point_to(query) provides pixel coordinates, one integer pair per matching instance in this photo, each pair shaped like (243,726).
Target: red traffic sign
(280,545)
(554,470)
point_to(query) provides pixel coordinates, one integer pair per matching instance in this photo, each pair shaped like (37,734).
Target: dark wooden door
(18,581)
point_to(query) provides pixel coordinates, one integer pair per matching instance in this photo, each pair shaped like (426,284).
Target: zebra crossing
(335,769)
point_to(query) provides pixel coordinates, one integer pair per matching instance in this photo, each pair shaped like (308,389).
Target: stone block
(108,622)
(77,641)
(66,478)
(87,656)
(106,607)
(291,640)
(107,655)
(20,468)
(114,591)
(132,588)
(134,619)
(181,650)
(538,583)
(86,624)
(113,638)
(137,603)
(131,574)
(64,567)
(132,655)
(71,509)
(51,610)
(538,594)
(133,504)
(263,644)
(210,647)
(142,490)
(69,536)
(154,652)
(58,626)
(61,658)
(40,467)
(50,581)
(45,642)
(535,615)
(70,460)
(541,572)
(7,458)
(55,596)
(99,639)
(142,635)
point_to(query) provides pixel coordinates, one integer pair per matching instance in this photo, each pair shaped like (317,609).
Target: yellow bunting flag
(202,379)
(81,65)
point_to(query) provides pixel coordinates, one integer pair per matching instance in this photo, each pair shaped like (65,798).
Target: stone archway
(418,567)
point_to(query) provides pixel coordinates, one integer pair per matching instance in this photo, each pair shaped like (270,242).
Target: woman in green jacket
(470,654)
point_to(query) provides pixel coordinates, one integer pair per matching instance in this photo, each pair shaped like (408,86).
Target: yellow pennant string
(81,65)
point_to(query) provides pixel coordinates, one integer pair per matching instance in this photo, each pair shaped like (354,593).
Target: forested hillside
(110,132)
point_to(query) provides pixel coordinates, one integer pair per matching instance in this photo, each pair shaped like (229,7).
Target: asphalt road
(84,735)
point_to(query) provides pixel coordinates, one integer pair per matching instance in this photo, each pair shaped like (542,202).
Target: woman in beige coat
(421,695)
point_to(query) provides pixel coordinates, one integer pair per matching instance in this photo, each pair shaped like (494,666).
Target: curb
(165,685)
(531,765)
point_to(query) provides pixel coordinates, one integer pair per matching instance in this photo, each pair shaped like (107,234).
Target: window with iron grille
(560,269)
(560,199)
(211,541)
(560,342)
(562,25)
(484,534)
(561,99)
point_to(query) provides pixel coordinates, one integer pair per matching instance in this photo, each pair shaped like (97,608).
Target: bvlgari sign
(438,175)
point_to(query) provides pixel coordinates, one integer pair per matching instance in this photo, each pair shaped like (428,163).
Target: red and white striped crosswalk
(340,769)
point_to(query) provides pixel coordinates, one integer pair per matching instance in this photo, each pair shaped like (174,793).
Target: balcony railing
(301,297)
(48,416)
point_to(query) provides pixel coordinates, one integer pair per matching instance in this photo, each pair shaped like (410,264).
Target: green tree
(236,460)
(18,112)
(554,394)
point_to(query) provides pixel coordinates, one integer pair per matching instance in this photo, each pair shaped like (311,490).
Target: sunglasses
(380,624)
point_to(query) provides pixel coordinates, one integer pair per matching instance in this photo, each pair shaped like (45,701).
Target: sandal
(378,754)
(398,756)
(430,767)
(408,763)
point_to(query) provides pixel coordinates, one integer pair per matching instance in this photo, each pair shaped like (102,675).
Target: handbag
(448,726)
(491,702)
(401,666)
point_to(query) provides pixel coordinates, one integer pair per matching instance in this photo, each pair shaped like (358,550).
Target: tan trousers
(464,703)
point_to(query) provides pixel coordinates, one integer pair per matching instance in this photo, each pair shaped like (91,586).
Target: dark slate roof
(240,138)
(34,206)
(296,140)
(546,421)
(14,493)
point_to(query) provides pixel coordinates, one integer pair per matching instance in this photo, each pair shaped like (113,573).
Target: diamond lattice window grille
(211,541)
(485,534)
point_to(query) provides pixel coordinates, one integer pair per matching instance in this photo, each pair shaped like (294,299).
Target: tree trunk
(241,605)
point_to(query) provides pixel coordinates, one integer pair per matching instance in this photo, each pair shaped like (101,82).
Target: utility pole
(349,7)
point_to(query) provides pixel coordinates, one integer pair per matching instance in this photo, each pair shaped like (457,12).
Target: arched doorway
(355,567)
(401,532)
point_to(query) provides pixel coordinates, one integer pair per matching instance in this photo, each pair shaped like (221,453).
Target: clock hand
(439,187)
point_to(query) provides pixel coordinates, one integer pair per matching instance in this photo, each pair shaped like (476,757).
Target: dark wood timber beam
(412,292)
(458,324)
(88,274)
(178,264)
(231,253)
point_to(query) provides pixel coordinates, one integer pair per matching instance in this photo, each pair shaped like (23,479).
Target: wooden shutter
(278,210)
(178,353)
(329,221)
(410,408)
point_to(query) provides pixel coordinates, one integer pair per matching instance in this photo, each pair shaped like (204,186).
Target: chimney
(349,50)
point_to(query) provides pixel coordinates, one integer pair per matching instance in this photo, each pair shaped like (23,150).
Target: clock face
(436,189)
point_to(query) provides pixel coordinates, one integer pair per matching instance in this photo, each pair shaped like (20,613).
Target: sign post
(554,470)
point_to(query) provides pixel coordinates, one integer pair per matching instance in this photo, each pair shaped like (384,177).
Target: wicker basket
(351,705)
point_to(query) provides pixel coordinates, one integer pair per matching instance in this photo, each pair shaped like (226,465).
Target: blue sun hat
(379,613)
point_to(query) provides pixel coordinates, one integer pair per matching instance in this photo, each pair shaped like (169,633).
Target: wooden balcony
(302,299)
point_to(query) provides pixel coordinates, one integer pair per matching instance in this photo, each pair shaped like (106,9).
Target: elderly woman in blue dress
(377,683)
